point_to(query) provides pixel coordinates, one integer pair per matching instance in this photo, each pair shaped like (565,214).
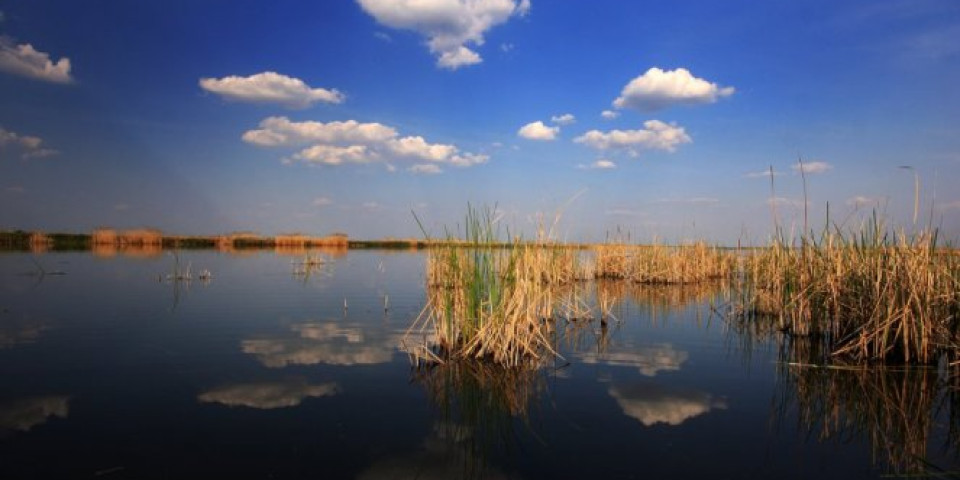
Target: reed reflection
(480,407)
(896,410)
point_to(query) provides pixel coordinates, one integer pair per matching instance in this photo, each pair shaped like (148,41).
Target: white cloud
(26,61)
(417,147)
(811,167)
(657,89)
(448,25)
(565,119)
(601,164)
(861,201)
(506,47)
(656,135)
(468,159)
(270,87)
(28,146)
(762,174)
(426,168)
(538,131)
(280,131)
(609,114)
(321,201)
(337,143)
(785,202)
(334,155)
(691,200)
(383,36)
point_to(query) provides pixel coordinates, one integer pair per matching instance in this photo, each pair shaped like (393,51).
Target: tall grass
(664,265)
(869,295)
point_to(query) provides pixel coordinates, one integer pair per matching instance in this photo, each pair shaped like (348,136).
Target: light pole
(916,191)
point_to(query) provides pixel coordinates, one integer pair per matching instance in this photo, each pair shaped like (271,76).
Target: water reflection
(649,360)
(330,343)
(652,404)
(267,395)
(895,409)
(25,413)
(444,454)
(25,330)
(479,408)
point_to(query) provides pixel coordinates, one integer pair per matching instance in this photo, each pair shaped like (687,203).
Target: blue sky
(204,116)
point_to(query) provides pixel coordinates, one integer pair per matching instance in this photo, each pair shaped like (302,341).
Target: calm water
(109,371)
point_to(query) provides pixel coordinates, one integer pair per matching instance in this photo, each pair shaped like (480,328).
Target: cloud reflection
(651,404)
(649,360)
(267,395)
(323,343)
(19,332)
(25,413)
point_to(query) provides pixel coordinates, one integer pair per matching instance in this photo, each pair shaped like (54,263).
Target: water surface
(266,371)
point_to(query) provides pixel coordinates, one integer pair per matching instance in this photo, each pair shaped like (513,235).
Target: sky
(660,121)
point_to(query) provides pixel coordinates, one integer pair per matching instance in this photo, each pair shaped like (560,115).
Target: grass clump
(491,302)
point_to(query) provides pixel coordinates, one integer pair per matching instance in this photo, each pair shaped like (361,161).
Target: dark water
(109,371)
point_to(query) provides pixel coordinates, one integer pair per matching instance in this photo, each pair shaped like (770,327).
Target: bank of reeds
(664,265)
(868,296)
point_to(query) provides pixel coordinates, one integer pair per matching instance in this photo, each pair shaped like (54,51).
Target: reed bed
(664,265)
(869,297)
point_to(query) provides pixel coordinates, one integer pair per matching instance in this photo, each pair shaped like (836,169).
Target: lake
(274,370)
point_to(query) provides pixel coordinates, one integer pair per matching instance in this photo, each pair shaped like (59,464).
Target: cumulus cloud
(655,135)
(861,201)
(538,131)
(267,395)
(448,25)
(26,61)
(657,89)
(651,404)
(417,147)
(426,168)
(337,143)
(811,167)
(321,202)
(565,119)
(762,174)
(270,87)
(785,202)
(609,114)
(27,146)
(334,155)
(601,164)
(280,131)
